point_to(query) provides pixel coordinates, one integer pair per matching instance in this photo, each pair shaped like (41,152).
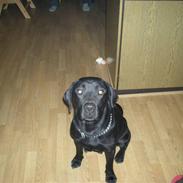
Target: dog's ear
(68,97)
(113,95)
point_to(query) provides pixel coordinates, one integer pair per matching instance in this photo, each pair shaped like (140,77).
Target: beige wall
(152,45)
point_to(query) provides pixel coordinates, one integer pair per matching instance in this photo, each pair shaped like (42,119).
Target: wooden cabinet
(113,35)
(151,51)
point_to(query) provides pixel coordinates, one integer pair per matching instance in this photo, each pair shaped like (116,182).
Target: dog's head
(89,96)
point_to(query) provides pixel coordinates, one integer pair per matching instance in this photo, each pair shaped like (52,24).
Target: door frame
(114,73)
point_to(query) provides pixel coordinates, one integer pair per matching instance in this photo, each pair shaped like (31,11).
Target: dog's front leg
(76,162)
(110,176)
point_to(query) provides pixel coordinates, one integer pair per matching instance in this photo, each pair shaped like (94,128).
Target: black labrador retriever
(98,123)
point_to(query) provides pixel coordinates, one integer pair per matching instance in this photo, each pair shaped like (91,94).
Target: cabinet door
(152,45)
(113,34)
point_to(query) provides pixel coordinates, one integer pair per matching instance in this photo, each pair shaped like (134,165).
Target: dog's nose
(89,107)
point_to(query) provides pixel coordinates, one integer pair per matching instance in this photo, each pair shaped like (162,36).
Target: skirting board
(150,91)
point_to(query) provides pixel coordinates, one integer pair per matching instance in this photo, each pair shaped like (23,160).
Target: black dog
(98,123)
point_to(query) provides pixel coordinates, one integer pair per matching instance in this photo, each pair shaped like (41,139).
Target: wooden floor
(38,61)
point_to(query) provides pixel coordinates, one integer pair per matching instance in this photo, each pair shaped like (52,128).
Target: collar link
(83,135)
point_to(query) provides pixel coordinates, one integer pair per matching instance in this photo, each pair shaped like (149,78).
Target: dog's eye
(101,92)
(80,91)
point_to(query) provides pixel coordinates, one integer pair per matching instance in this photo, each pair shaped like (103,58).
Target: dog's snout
(90,107)
(89,112)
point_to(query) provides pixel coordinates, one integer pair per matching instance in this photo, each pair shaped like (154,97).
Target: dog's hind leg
(123,144)
(76,162)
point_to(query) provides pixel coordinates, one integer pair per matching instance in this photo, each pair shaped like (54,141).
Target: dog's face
(89,97)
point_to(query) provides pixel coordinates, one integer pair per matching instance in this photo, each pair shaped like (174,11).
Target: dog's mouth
(89,116)
(89,112)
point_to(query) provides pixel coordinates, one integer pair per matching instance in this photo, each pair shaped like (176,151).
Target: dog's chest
(99,145)
(91,144)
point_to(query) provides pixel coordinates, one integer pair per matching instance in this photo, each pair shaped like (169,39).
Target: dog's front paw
(111,178)
(75,163)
